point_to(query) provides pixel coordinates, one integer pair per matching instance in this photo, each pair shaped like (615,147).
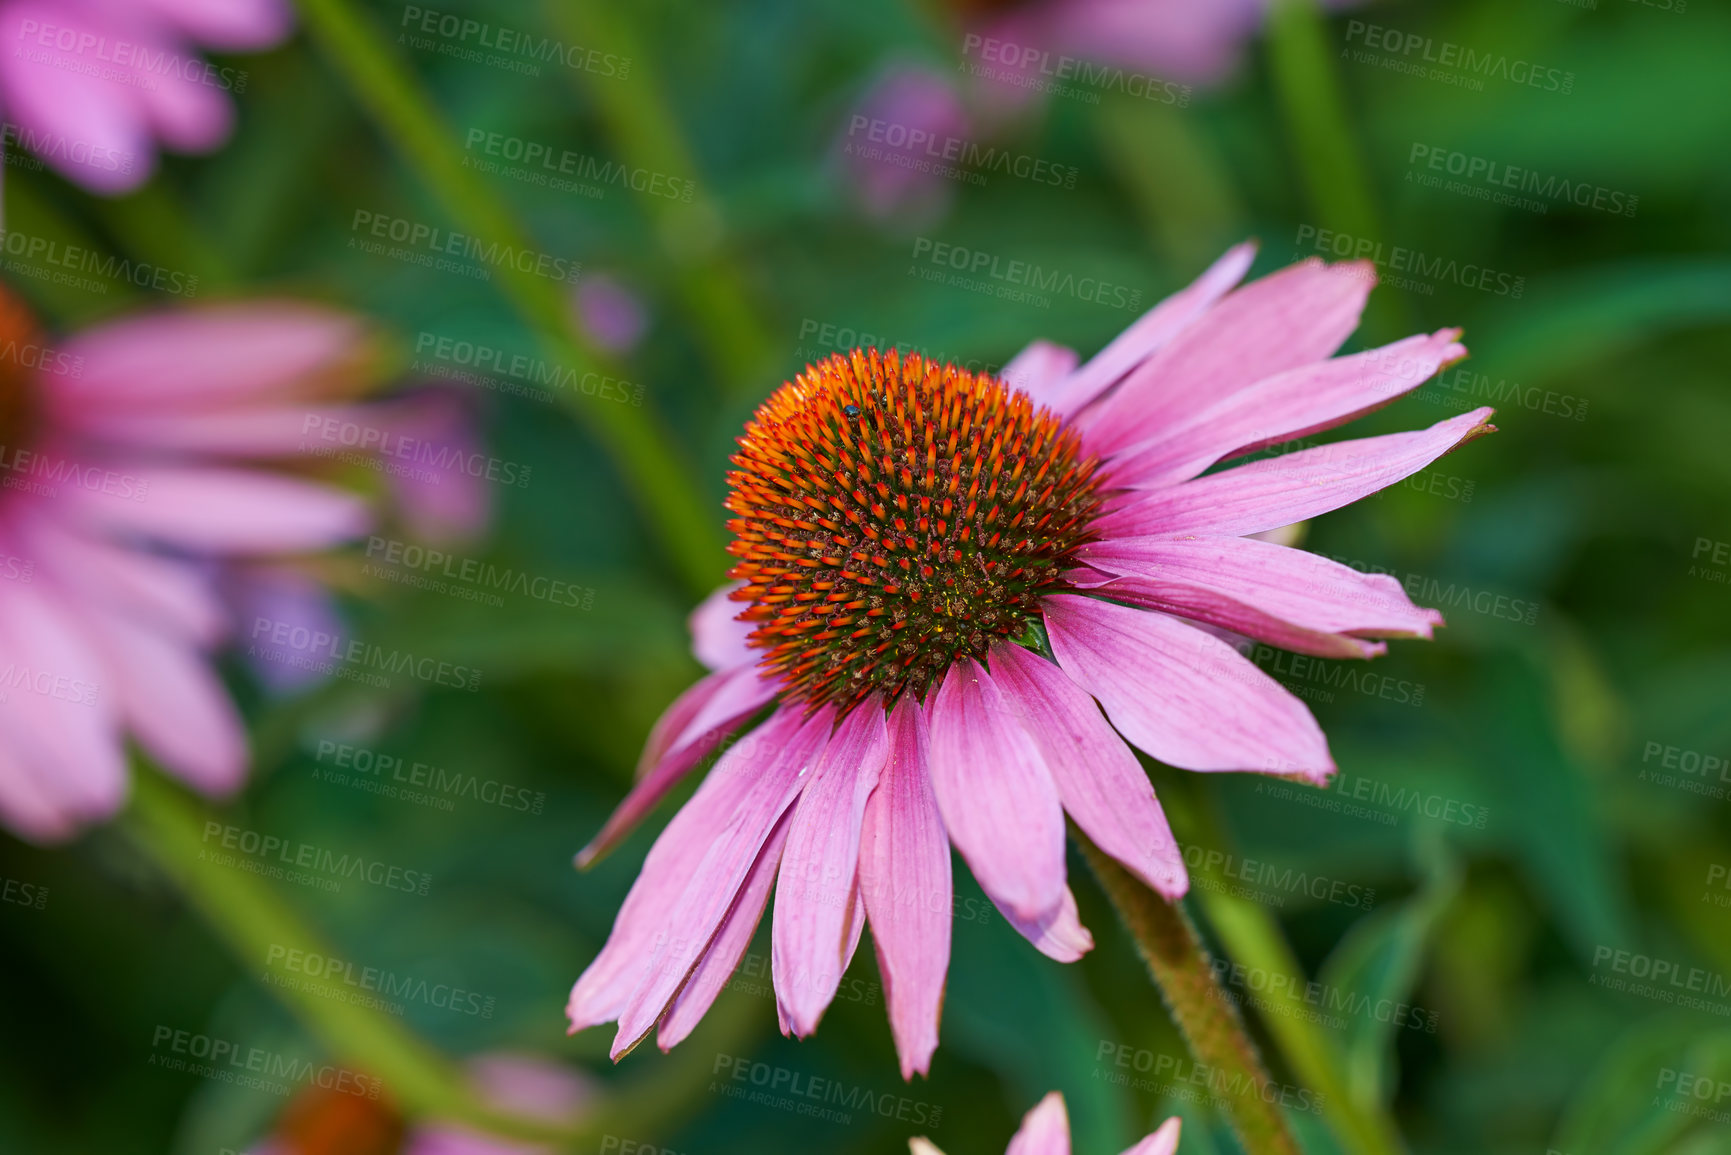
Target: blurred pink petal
(895,136)
(93,85)
(610,314)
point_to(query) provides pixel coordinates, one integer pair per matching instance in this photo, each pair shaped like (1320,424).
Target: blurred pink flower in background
(140,461)
(1045,1130)
(93,86)
(611,314)
(892,147)
(326,1122)
(1165,44)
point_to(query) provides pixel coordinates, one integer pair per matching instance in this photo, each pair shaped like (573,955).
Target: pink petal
(1183,695)
(205,357)
(1281,490)
(1039,370)
(697,722)
(28,807)
(1153,330)
(168,592)
(1290,318)
(1045,1130)
(1162,1142)
(693,912)
(1288,406)
(172,701)
(1101,784)
(228,25)
(219,510)
(1281,595)
(91,132)
(1060,935)
(58,706)
(266,430)
(600,995)
(717,635)
(817,889)
(999,803)
(716,967)
(904,873)
(188,115)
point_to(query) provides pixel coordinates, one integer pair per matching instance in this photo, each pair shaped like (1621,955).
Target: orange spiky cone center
(893,515)
(325,1121)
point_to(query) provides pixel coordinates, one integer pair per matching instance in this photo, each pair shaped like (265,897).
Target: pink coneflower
(130,459)
(964,599)
(91,86)
(1160,44)
(901,139)
(1045,1130)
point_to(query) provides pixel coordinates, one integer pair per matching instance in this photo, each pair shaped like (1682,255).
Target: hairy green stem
(1207,1019)
(1253,937)
(652,465)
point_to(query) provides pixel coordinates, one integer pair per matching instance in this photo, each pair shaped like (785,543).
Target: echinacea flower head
(892,148)
(1045,1130)
(92,86)
(138,459)
(960,600)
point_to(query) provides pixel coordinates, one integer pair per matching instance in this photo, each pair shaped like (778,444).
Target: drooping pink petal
(187,114)
(717,635)
(1287,406)
(817,890)
(169,592)
(1152,331)
(1290,318)
(601,993)
(1039,370)
(904,873)
(205,358)
(91,132)
(1099,780)
(1060,935)
(227,25)
(697,722)
(219,510)
(1181,694)
(1281,595)
(689,921)
(29,807)
(172,701)
(270,429)
(1281,490)
(1163,1142)
(1045,1130)
(58,704)
(998,801)
(719,962)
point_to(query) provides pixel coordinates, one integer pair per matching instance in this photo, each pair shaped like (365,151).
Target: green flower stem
(643,130)
(167,826)
(1308,93)
(652,465)
(1181,191)
(1208,1021)
(1252,936)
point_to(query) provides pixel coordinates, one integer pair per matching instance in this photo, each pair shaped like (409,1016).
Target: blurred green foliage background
(1528,817)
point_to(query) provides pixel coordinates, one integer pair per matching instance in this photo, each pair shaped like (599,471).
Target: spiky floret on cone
(893,515)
